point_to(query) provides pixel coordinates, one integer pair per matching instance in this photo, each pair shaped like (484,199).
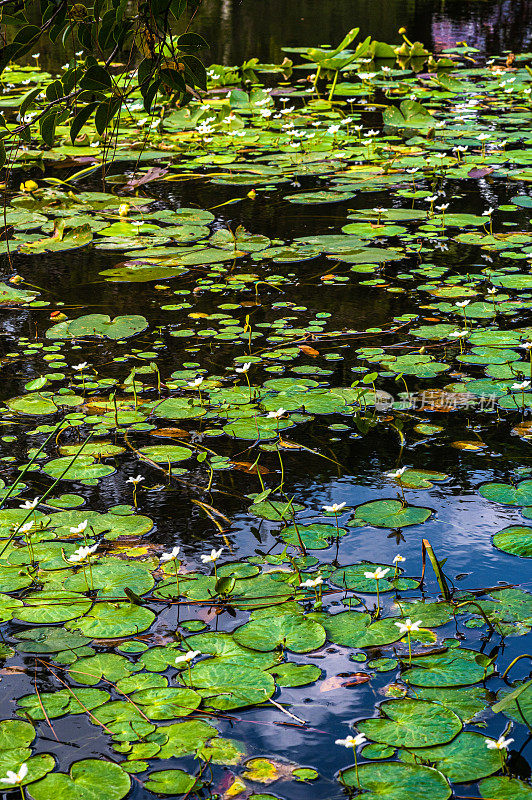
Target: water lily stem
(176,576)
(356,765)
(282,465)
(333,87)
(516,659)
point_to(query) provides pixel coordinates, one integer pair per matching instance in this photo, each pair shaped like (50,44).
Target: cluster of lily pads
(213,385)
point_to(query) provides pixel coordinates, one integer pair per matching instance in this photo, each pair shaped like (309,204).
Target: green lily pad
(110,576)
(516,540)
(390,514)
(412,723)
(397,781)
(112,620)
(463,760)
(294,632)
(83,468)
(466,703)
(34,404)
(59,703)
(353,577)
(227,686)
(99,325)
(112,667)
(456,667)
(314,537)
(90,779)
(289,674)
(185,738)
(38,765)
(504,788)
(519,495)
(166,453)
(355,629)
(167,703)
(170,781)
(49,607)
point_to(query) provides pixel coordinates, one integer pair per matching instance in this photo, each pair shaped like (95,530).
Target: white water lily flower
(407,626)
(277,414)
(188,657)
(431,199)
(500,744)
(82,553)
(13,778)
(397,473)
(443,207)
(30,504)
(379,210)
(81,366)
(26,528)
(194,384)
(80,528)
(351,741)
(483,136)
(398,558)
(378,574)
(170,556)
(333,129)
(136,480)
(244,368)
(463,304)
(489,212)
(215,554)
(311,584)
(334,508)
(492,291)
(524,346)
(458,334)
(519,387)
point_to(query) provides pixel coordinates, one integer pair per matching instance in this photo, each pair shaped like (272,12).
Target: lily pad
(294,632)
(463,760)
(516,540)
(90,779)
(99,325)
(400,781)
(390,514)
(170,781)
(412,723)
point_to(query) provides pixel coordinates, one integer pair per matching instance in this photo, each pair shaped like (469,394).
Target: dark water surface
(240,29)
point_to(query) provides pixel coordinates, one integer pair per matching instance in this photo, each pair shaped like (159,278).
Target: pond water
(371,285)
